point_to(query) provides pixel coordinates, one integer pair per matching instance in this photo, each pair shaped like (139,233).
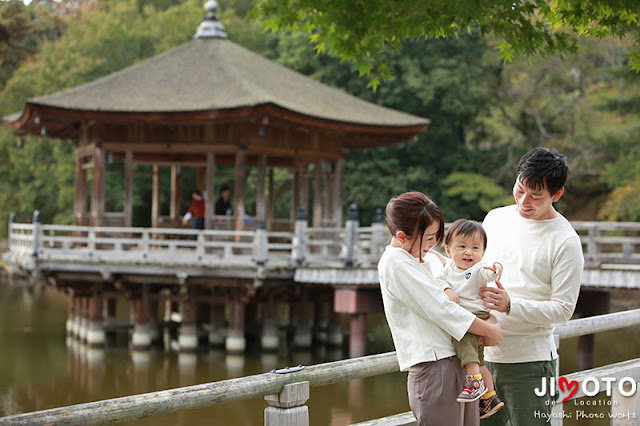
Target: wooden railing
(605,244)
(286,391)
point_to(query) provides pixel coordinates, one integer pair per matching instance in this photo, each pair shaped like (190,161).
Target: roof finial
(210,27)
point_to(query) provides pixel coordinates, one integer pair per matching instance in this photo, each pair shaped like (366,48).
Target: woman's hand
(453,296)
(494,335)
(496,299)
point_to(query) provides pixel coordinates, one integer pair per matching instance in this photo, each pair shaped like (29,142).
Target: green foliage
(478,193)
(358,32)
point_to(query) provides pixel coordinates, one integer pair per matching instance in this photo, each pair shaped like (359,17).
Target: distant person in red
(196,211)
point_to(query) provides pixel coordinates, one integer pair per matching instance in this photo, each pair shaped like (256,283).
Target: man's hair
(198,192)
(224,187)
(466,228)
(543,166)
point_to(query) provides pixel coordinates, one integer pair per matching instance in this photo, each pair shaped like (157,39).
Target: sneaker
(473,389)
(490,406)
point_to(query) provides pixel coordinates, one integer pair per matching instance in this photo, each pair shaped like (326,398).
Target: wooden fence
(604,243)
(286,391)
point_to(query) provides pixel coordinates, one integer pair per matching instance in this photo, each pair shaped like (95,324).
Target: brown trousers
(433,388)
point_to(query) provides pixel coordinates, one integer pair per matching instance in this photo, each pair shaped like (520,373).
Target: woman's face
(429,240)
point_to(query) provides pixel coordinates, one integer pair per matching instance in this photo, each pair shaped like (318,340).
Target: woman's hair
(466,228)
(413,213)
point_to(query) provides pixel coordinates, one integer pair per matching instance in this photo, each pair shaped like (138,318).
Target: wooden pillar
(590,303)
(270,202)
(304,320)
(358,338)
(337,192)
(128,188)
(236,342)
(328,197)
(142,334)
(304,188)
(155,196)
(208,190)
(317,195)
(216,336)
(80,202)
(97,198)
(295,190)
(95,325)
(187,338)
(269,338)
(176,191)
(260,196)
(239,187)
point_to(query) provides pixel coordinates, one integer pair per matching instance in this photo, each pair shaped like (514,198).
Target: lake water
(41,369)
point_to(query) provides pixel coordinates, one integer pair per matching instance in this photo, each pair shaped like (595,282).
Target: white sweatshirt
(466,283)
(543,263)
(421,317)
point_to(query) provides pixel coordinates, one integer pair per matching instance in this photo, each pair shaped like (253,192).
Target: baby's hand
(453,296)
(497,268)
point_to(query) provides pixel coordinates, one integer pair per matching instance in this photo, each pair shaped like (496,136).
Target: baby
(461,279)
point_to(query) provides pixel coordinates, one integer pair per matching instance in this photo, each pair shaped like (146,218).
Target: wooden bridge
(286,391)
(220,281)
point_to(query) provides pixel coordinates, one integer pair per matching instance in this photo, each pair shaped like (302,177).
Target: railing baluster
(287,407)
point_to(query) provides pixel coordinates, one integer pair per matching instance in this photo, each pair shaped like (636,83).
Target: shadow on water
(40,368)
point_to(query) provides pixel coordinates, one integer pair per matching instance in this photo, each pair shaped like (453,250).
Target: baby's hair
(413,213)
(466,228)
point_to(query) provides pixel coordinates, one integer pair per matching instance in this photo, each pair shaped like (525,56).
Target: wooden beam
(270,202)
(128,188)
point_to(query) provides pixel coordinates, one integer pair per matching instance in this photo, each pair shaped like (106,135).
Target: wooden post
(270,201)
(128,188)
(239,187)
(590,303)
(155,196)
(358,338)
(317,195)
(95,328)
(337,193)
(304,317)
(97,198)
(176,189)
(269,338)
(329,199)
(351,236)
(334,332)
(236,342)
(216,336)
(80,202)
(287,407)
(187,337)
(299,250)
(260,196)
(295,185)
(208,190)
(142,336)
(624,409)
(304,187)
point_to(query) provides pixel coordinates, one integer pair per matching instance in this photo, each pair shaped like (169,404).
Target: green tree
(359,32)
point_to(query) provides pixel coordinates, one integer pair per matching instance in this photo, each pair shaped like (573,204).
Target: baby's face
(465,251)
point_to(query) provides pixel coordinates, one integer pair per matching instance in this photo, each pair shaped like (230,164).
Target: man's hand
(453,296)
(496,299)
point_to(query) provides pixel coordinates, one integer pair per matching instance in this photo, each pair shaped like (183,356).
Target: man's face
(226,193)
(535,204)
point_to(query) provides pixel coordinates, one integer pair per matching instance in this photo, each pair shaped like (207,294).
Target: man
(196,210)
(542,259)
(223,205)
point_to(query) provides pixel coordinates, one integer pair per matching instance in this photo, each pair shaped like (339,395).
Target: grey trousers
(433,388)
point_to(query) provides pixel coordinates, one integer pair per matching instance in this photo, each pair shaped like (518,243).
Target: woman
(421,317)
